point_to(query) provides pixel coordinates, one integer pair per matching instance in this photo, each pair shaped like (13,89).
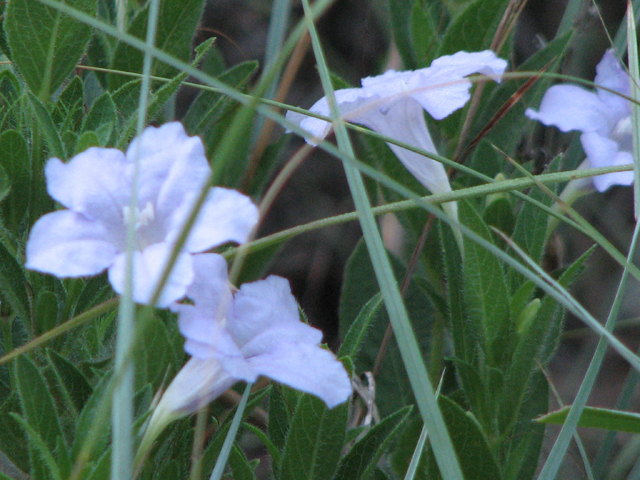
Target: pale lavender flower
(89,236)
(233,337)
(393,105)
(603,117)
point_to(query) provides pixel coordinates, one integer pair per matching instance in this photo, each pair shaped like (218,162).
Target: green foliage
(392,385)
(362,458)
(485,290)
(594,417)
(177,21)
(314,440)
(45,44)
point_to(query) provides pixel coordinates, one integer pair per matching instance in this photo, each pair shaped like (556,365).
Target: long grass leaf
(122,406)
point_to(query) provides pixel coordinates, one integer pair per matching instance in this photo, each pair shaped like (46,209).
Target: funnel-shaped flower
(603,117)
(95,186)
(237,337)
(392,104)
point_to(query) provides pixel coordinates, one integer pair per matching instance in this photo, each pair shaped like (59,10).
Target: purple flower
(393,105)
(232,337)
(89,236)
(603,117)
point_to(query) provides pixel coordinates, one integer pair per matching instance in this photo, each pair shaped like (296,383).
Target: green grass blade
(221,462)
(634,73)
(441,442)
(122,416)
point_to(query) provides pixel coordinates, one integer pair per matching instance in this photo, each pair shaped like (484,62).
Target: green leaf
(361,460)
(72,381)
(13,284)
(155,339)
(13,439)
(209,107)
(358,329)
(525,443)
(177,20)
(126,98)
(46,312)
(474,28)
(400,13)
(315,440)
(45,44)
(15,162)
(594,417)
(86,429)
(85,141)
(279,417)
(476,459)
(69,107)
(424,34)
(42,453)
(101,118)
(393,390)
(534,345)
(239,465)
(462,330)
(37,404)
(485,289)
(49,130)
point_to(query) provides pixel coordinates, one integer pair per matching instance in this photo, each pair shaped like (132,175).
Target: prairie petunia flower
(603,117)
(393,105)
(89,236)
(232,337)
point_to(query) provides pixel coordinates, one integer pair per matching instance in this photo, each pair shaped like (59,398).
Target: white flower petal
(226,216)
(210,286)
(404,121)
(171,164)
(604,152)
(260,306)
(462,64)
(441,88)
(611,74)
(95,183)
(348,99)
(308,368)
(66,244)
(148,266)
(270,339)
(196,384)
(570,107)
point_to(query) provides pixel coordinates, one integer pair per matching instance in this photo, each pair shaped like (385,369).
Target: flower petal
(308,368)
(226,216)
(95,183)
(210,286)
(610,74)
(404,121)
(148,266)
(604,152)
(570,107)
(172,164)
(263,305)
(348,99)
(441,88)
(196,384)
(67,244)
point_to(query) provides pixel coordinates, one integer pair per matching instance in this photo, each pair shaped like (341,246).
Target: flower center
(143,217)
